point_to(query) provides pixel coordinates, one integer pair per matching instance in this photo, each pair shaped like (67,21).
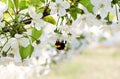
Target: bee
(60,45)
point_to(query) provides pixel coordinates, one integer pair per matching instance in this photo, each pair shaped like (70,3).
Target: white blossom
(37,21)
(101,7)
(59,6)
(23,41)
(86,20)
(111,28)
(3,7)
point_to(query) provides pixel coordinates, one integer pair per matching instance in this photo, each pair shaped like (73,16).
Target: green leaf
(35,3)
(107,17)
(87,4)
(11,4)
(40,10)
(3,1)
(58,31)
(73,12)
(42,1)
(80,11)
(115,1)
(23,4)
(74,15)
(16,2)
(26,51)
(50,19)
(36,34)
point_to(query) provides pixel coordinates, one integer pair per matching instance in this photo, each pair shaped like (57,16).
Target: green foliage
(73,12)
(11,4)
(58,31)
(23,4)
(36,3)
(108,19)
(50,19)
(16,2)
(36,34)
(87,4)
(19,29)
(115,1)
(3,1)
(40,10)
(42,1)
(26,51)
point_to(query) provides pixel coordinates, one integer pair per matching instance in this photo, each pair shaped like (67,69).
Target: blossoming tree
(37,33)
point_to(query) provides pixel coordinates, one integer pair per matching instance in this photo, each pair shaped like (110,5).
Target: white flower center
(111,16)
(84,19)
(101,6)
(58,6)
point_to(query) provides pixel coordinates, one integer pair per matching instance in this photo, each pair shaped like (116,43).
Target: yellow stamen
(58,46)
(111,16)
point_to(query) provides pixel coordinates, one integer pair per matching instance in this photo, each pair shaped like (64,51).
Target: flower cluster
(37,33)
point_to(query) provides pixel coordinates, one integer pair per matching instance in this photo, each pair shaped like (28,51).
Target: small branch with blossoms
(44,32)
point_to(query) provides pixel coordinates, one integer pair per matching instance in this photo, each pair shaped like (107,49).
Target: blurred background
(96,61)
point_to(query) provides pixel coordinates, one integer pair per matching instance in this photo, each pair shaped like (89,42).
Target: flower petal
(62,12)
(65,5)
(52,5)
(59,1)
(53,11)
(18,35)
(31,10)
(3,7)
(39,24)
(24,42)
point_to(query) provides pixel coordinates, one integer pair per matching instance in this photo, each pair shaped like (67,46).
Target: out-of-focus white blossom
(114,40)
(111,28)
(37,21)
(101,7)
(31,71)
(86,20)
(3,8)
(59,6)
(23,41)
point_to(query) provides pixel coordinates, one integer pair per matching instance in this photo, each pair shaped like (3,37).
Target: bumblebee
(60,45)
